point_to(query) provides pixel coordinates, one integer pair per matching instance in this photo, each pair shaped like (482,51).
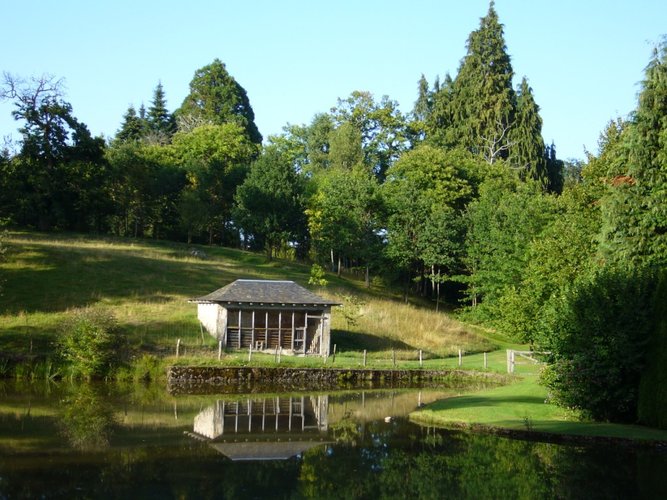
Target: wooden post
(485,362)
(333,359)
(252,331)
(364,357)
(421,364)
(509,361)
(275,356)
(219,350)
(280,351)
(393,357)
(178,347)
(293,331)
(280,325)
(250,352)
(460,357)
(266,330)
(240,317)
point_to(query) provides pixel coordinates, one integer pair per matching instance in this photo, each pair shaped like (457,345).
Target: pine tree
(526,146)
(132,128)
(483,99)
(635,210)
(216,97)
(160,121)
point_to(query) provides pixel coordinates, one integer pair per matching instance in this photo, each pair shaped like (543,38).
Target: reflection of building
(266,314)
(264,429)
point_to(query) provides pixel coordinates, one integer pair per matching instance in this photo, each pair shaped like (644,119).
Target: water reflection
(99,442)
(270,428)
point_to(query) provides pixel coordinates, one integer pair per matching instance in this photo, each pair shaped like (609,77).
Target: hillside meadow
(146,284)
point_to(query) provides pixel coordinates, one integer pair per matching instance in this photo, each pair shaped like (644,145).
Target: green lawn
(521,405)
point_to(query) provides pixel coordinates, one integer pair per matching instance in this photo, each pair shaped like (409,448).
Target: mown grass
(146,284)
(523,406)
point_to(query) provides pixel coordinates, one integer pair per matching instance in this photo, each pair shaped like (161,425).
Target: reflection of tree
(347,431)
(87,419)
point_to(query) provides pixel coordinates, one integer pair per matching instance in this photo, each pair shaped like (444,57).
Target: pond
(98,441)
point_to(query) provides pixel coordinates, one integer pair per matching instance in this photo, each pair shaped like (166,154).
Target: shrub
(317,276)
(89,342)
(598,334)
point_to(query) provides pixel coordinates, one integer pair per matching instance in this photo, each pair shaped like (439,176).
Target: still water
(65,441)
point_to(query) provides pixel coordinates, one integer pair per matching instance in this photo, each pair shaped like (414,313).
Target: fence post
(485,362)
(333,359)
(219,350)
(250,352)
(178,347)
(460,358)
(393,357)
(364,357)
(420,359)
(280,352)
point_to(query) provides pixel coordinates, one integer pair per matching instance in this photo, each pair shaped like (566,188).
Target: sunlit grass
(146,284)
(523,406)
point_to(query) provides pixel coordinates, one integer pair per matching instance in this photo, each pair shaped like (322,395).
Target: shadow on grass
(356,341)
(481,401)
(53,278)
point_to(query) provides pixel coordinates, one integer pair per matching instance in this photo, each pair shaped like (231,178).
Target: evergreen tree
(635,211)
(160,122)
(132,128)
(483,99)
(527,151)
(439,130)
(217,97)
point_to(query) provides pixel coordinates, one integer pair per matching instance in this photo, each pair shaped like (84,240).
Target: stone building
(267,314)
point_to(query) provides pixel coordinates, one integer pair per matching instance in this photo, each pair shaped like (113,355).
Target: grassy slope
(146,284)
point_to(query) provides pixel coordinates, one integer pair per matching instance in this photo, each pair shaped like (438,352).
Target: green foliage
(269,203)
(653,387)
(502,224)
(526,142)
(217,98)
(87,419)
(89,342)
(597,332)
(317,276)
(634,209)
(565,249)
(344,216)
(352,309)
(161,123)
(381,125)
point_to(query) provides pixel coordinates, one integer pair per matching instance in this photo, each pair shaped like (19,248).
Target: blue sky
(584,59)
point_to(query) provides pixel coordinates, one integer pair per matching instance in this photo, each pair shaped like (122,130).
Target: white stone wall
(213,318)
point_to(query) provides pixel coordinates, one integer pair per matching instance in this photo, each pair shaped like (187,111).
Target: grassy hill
(146,284)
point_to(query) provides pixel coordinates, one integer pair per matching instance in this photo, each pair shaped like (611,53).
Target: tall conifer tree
(483,99)
(527,151)
(160,120)
(215,96)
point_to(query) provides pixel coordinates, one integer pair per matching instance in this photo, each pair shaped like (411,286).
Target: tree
(216,97)
(483,99)
(161,123)
(425,192)
(59,166)
(269,203)
(216,159)
(344,217)
(345,147)
(634,210)
(527,149)
(382,127)
(133,128)
(501,224)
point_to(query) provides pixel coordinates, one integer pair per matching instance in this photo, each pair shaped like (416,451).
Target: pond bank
(521,410)
(208,379)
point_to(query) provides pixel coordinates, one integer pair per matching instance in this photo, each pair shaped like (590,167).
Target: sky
(584,59)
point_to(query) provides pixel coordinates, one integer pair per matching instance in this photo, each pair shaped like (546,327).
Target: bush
(89,342)
(598,334)
(653,387)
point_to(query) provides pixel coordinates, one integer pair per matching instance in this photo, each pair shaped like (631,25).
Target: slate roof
(263,292)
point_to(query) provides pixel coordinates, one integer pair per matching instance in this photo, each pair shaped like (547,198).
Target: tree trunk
(339,266)
(368,277)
